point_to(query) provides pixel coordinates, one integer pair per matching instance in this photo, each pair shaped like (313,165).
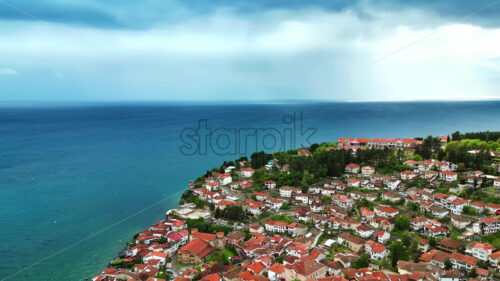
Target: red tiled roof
(277,223)
(198,247)
(484,246)
(204,236)
(386,209)
(463,258)
(212,277)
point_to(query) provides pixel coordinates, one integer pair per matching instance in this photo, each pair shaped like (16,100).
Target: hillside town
(356,209)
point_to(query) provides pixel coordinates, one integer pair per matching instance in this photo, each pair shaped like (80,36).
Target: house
(159,257)
(423,245)
(367,170)
(304,152)
(210,277)
(411,163)
(456,205)
(429,175)
(255,228)
(442,166)
(492,208)
(448,176)
(305,269)
(449,245)
(367,214)
(390,196)
(435,231)
(479,250)
(211,186)
(424,165)
(385,211)
(438,212)
(261,196)
(496,183)
(354,243)
(435,257)
(276,272)
(304,198)
(217,240)
(270,184)
(408,175)
(353,182)
(276,226)
(286,191)
(228,169)
(486,226)
(375,250)
(275,203)
(343,201)
(297,229)
(352,168)
(460,222)
(179,238)
(382,236)
(247,172)
(225,178)
(195,251)
(418,223)
(473,181)
(392,183)
(317,207)
(235,238)
(478,206)
(494,259)
(462,262)
(363,231)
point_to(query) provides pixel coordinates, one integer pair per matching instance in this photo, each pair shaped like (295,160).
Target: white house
(448,176)
(375,250)
(386,211)
(286,191)
(160,256)
(276,272)
(270,184)
(392,183)
(225,179)
(276,226)
(247,172)
(363,231)
(352,168)
(276,203)
(367,171)
(496,183)
(382,236)
(408,175)
(479,250)
(353,182)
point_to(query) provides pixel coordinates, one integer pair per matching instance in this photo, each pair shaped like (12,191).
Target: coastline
(234,208)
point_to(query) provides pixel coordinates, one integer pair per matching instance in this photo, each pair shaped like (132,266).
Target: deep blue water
(67,172)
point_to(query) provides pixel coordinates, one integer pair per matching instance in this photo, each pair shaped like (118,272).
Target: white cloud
(7,71)
(305,54)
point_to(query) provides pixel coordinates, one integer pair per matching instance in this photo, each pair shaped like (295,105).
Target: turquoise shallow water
(67,172)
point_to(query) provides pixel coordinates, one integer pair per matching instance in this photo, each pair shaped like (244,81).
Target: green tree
(447,264)
(432,242)
(326,200)
(402,223)
(363,261)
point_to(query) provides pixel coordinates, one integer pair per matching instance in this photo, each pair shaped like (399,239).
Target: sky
(247,50)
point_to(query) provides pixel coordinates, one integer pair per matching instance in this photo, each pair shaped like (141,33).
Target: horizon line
(9,103)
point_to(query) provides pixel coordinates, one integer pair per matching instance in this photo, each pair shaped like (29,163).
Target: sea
(79,180)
